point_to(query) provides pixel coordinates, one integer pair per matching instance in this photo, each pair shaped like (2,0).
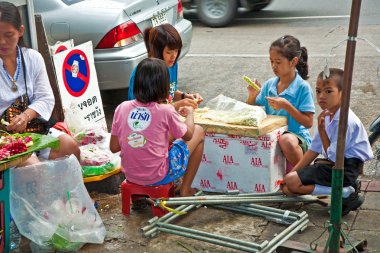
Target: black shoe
(353,202)
(357,186)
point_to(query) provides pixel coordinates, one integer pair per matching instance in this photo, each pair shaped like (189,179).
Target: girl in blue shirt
(288,94)
(164,42)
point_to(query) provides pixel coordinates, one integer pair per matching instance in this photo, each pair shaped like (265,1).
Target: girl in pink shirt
(143,129)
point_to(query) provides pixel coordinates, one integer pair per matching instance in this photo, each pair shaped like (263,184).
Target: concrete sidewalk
(124,234)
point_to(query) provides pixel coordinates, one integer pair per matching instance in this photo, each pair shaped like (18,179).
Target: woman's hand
(185,102)
(18,123)
(277,103)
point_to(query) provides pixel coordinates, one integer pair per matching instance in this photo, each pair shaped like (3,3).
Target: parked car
(115,28)
(219,13)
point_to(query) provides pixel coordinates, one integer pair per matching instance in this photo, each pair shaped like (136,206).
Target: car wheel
(216,13)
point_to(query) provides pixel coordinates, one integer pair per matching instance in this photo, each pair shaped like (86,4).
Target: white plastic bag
(231,111)
(51,205)
(72,120)
(93,134)
(96,161)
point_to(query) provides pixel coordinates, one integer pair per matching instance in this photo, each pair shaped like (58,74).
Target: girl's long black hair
(290,47)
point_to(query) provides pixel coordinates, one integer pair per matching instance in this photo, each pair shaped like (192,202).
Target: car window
(70,2)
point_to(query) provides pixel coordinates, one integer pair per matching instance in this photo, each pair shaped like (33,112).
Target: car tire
(216,13)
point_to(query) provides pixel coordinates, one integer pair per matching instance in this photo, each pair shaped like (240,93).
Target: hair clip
(326,72)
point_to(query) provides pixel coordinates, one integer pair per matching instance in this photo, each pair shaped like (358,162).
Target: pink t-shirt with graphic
(143,132)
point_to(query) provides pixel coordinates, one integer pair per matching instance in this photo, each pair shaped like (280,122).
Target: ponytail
(302,65)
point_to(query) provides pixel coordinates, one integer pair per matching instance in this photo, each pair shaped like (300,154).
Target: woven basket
(14,163)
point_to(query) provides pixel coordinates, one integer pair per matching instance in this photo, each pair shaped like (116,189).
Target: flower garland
(14,144)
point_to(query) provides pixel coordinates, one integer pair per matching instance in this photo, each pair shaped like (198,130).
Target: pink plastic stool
(131,191)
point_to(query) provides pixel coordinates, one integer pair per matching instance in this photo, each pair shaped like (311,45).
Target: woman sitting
(24,84)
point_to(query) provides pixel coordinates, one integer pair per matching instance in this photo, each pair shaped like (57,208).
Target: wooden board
(266,126)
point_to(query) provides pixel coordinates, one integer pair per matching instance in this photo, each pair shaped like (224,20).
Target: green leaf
(39,142)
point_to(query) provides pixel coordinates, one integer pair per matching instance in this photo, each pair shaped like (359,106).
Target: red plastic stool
(130,190)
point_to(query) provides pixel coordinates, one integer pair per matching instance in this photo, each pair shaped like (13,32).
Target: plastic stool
(130,190)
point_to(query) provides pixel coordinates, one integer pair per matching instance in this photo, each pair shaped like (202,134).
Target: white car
(219,13)
(115,28)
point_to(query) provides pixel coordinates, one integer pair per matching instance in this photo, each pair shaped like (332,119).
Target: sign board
(78,85)
(61,46)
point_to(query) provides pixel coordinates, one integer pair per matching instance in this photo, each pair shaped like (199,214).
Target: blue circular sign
(76,72)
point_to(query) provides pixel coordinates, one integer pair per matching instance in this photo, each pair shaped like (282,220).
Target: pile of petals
(14,144)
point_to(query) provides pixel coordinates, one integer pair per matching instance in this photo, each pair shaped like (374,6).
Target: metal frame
(297,221)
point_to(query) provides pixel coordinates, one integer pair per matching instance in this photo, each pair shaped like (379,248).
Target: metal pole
(338,170)
(266,214)
(236,200)
(230,196)
(210,240)
(287,233)
(210,235)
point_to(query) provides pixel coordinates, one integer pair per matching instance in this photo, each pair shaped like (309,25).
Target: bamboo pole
(338,170)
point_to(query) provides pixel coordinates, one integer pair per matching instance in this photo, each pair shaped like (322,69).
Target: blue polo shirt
(299,94)
(173,75)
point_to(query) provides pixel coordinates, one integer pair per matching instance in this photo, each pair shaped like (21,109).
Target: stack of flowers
(14,144)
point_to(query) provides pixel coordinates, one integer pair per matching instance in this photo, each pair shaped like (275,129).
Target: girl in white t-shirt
(144,129)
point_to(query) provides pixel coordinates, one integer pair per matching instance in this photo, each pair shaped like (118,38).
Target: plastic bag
(51,205)
(90,135)
(96,161)
(91,155)
(231,111)
(71,118)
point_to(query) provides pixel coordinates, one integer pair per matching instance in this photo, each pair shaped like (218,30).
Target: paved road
(219,57)
(305,9)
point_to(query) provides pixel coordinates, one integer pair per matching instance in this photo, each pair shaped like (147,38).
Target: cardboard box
(247,164)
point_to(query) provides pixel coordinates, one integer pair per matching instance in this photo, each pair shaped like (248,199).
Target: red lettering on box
(278,135)
(231,185)
(260,188)
(264,138)
(266,145)
(222,143)
(232,136)
(229,160)
(205,183)
(256,162)
(204,159)
(219,174)
(210,134)
(249,143)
